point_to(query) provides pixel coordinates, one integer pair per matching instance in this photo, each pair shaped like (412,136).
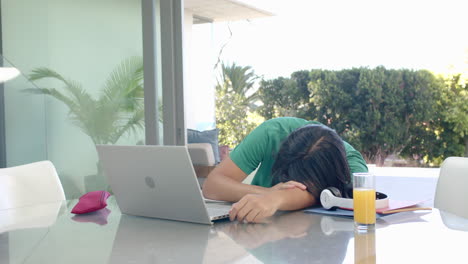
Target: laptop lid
(154,181)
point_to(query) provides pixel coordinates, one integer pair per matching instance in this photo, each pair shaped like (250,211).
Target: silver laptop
(157,181)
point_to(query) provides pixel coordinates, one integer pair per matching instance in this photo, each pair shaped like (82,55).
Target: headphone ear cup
(328,196)
(331,198)
(348,188)
(326,199)
(336,192)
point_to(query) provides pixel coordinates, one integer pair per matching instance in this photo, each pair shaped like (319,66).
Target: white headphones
(331,198)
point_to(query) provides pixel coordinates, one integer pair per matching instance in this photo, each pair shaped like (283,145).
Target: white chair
(203,159)
(201,154)
(29,184)
(452,187)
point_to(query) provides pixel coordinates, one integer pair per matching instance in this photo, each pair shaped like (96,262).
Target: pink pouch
(91,202)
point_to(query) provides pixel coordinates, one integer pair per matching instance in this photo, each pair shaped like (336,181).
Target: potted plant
(118,109)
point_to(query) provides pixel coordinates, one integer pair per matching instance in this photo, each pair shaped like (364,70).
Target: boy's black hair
(315,156)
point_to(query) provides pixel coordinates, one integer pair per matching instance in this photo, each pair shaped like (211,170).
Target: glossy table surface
(49,233)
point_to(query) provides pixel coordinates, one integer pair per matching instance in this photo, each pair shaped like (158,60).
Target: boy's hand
(254,208)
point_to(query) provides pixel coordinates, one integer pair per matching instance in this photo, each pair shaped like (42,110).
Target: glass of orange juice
(364,201)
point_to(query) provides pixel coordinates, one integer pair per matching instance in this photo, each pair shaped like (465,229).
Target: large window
(74,55)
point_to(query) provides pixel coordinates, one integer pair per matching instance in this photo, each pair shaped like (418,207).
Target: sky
(337,34)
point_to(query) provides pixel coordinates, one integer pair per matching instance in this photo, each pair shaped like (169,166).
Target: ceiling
(205,11)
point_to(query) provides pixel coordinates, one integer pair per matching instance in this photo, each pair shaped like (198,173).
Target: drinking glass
(364,201)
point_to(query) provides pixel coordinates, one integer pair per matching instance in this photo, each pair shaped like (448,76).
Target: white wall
(83,41)
(24,114)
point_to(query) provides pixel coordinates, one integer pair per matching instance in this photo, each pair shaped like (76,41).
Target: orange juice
(364,205)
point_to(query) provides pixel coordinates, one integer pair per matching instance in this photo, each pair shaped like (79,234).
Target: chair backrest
(30,184)
(201,154)
(452,187)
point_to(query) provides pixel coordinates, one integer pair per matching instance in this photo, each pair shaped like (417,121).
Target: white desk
(108,236)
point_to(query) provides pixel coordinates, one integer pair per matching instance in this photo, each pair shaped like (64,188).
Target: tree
(325,87)
(235,101)
(455,97)
(380,111)
(284,96)
(444,135)
(376,110)
(118,110)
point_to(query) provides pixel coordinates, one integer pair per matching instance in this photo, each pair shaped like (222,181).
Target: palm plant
(235,101)
(239,80)
(118,110)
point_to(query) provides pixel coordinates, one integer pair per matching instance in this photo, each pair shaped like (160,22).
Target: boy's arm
(225,183)
(256,208)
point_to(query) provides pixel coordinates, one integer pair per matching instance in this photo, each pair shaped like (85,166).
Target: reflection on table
(364,247)
(31,235)
(289,238)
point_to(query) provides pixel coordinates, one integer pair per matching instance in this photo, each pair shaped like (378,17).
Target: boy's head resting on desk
(310,155)
(295,159)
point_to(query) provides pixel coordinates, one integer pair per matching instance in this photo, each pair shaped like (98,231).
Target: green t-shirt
(262,144)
